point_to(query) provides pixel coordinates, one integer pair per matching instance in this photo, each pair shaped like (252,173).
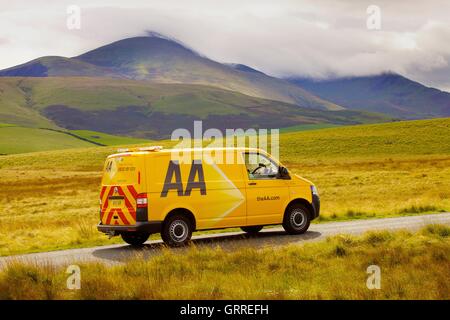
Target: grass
(372,141)
(20,139)
(106,139)
(199,104)
(3,125)
(48,200)
(307,127)
(413,266)
(16,139)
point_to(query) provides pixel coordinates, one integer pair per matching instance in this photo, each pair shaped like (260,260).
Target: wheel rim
(298,218)
(178,230)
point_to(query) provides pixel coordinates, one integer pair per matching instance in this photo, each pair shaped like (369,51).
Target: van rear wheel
(252,229)
(176,231)
(296,219)
(135,239)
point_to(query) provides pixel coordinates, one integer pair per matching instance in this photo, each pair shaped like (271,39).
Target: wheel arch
(303,202)
(185,212)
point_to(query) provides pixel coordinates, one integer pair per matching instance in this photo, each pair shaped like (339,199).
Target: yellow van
(178,191)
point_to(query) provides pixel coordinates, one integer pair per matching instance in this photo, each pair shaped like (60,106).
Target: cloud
(285,38)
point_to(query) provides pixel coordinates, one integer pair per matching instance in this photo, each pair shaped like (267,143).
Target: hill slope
(162,60)
(16,139)
(388,93)
(149,110)
(57,66)
(402,138)
(20,140)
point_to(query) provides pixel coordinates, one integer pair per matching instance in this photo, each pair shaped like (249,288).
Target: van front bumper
(316,205)
(140,227)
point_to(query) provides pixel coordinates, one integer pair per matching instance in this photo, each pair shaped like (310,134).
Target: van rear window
(121,171)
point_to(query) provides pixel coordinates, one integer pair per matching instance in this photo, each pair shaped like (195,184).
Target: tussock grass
(419,209)
(413,266)
(436,229)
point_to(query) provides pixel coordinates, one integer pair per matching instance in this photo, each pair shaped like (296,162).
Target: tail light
(141,200)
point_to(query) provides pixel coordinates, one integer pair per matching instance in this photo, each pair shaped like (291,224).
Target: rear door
(123,179)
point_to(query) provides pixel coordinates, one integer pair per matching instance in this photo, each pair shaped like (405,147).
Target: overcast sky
(283,38)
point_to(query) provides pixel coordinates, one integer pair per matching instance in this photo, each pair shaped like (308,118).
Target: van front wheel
(135,239)
(176,231)
(296,219)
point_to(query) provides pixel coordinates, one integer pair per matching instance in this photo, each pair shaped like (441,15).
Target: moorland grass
(49,200)
(413,266)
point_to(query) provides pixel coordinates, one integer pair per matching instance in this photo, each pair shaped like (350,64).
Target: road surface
(119,253)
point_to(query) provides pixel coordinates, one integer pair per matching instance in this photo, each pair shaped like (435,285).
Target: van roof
(159,150)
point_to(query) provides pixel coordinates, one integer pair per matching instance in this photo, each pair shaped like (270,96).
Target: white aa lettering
(374,279)
(74,19)
(74,280)
(374,19)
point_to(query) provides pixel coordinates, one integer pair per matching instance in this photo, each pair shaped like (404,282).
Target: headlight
(314,190)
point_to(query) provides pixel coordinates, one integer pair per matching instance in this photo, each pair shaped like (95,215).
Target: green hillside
(419,137)
(106,139)
(16,105)
(15,139)
(148,110)
(403,138)
(306,127)
(21,139)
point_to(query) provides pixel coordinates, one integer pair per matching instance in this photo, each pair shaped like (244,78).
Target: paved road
(115,254)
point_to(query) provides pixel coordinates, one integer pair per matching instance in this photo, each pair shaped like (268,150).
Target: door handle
(252,183)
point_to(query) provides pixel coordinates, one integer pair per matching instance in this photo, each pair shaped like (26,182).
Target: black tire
(176,231)
(135,239)
(252,229)
(296,219)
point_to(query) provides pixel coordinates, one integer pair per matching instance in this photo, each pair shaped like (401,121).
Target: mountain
(387,93)
(159,59)
(145,109)
(57,66)
(242,67)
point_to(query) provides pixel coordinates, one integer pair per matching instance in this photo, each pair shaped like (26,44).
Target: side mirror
(283,172)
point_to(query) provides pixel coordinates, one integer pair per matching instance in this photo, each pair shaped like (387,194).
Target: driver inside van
(260,167)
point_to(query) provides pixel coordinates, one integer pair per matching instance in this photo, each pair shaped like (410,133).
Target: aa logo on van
(196,179)
(111,168)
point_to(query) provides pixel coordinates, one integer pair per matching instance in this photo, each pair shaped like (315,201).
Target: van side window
(259,166)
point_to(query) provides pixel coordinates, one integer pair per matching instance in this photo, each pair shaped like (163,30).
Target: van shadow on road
(226,242)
